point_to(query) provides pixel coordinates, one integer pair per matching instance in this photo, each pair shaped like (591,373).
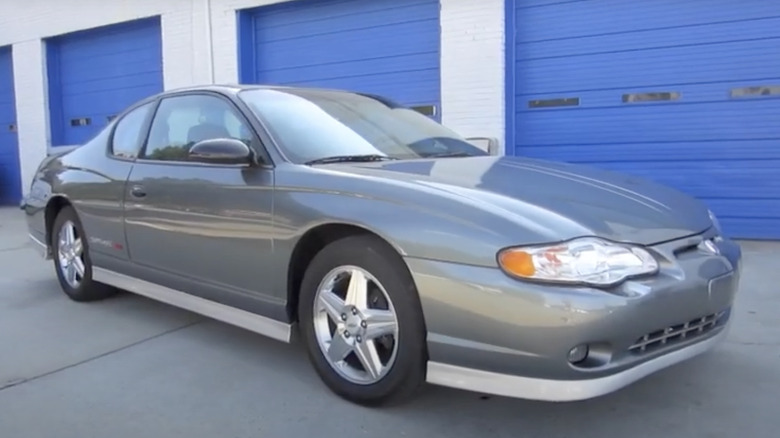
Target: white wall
(472,59)
(472,67)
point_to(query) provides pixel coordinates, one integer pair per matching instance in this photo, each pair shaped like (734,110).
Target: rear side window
(127,135)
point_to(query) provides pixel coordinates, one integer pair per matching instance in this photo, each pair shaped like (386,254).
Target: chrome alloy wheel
(355,325)
(70,252)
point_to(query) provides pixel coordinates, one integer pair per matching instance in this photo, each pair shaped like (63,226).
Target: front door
(204,229)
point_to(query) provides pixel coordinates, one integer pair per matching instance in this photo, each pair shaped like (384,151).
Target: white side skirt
(41,248)
(559,390)
(230,315)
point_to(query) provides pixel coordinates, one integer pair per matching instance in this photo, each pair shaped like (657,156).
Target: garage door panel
(701,36)
(389,47)
(408,61)
(752,228)
(723,62)
(330,19)
(112,62)
(96,49)
(680,151)
(95,74)
(425,65)
(719,147)
(386,80)
(706,93)
(85,82)
(124,37)
(314,10)
(417,94)
(103,102)
(10,174)
(363,44)
(580,18)
(759,119)
(6,109)
(746,208)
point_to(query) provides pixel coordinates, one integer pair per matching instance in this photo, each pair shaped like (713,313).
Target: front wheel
(362,322)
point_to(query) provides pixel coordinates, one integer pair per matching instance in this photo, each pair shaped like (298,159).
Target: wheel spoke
(369,358)
(78,265)
(70,235)
(71,273)
(339,348)
(78,247)
(332,304)
(379,323)
(357,292)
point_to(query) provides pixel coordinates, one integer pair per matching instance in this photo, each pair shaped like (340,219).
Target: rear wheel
(72,261)
(362,322)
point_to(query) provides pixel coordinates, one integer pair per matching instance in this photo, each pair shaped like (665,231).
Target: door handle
(137,191)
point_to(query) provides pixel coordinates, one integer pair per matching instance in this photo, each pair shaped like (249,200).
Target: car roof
(235,88)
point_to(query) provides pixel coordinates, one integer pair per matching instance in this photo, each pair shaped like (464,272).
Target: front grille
(678,333)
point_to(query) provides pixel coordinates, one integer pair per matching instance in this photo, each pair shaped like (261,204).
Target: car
(394,250)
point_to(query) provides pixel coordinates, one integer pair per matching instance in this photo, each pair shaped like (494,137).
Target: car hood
(589,200)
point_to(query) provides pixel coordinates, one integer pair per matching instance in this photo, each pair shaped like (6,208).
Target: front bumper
(493,334)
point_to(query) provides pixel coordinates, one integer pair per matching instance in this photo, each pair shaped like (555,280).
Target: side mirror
(221,151)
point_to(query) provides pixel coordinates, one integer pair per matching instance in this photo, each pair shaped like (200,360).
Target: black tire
(87,290)
(407,374)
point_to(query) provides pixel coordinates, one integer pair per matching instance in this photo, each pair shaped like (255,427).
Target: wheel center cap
(353,324)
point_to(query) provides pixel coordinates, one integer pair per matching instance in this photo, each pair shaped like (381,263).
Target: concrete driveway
(130,367)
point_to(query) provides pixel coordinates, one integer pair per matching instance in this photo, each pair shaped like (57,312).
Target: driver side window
(182,121)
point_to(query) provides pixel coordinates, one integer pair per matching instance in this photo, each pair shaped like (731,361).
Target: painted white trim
(472,68)
(210,42)
(230,315)
(560,390)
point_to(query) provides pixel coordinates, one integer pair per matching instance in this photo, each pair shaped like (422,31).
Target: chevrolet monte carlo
(395,250)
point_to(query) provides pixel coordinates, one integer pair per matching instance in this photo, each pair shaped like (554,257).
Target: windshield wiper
(450,154)
(349,158)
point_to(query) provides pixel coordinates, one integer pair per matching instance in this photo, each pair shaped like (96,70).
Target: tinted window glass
(311,124)
(127,135)
(182,121)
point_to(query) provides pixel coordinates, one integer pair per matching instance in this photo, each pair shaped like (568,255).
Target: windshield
(314,124)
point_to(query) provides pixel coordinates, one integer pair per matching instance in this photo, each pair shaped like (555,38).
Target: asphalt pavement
(132,367)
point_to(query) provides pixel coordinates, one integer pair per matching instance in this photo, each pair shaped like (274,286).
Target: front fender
(419,221)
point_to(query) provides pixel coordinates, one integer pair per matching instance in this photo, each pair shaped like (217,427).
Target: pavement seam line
(14,383)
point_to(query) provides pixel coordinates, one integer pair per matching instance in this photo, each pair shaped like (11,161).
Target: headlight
(588,260)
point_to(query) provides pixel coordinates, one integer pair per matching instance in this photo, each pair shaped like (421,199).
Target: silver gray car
(397,251)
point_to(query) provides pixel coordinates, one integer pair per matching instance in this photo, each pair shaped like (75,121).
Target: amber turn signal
(517,262)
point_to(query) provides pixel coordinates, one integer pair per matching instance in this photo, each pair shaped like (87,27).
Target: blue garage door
(96,73)
(10,183)
(387,47)
(683,92)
